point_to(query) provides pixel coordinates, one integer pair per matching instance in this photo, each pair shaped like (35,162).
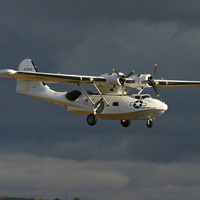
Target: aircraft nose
(165,106)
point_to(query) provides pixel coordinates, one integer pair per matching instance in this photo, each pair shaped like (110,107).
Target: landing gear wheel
(125,123)
(149,123)
(91,119)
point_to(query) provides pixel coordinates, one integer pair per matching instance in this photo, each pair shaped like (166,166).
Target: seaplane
(111,99)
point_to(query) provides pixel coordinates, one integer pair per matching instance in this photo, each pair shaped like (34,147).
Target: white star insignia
(137,104)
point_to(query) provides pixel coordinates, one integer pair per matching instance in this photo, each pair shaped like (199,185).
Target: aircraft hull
(137,115)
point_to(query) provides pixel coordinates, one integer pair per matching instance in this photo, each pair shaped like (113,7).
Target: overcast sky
(47,152)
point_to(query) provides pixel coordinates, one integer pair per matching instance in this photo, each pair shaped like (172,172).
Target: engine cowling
(113,78)
(138,81)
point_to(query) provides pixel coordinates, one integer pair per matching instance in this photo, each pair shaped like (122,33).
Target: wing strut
(86,95)
(100,94)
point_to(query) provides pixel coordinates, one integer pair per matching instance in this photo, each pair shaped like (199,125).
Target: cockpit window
(73,95)
(145,96)
(138,97)
(142,96)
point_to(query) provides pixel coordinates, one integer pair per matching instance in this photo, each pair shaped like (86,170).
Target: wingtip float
(7,72)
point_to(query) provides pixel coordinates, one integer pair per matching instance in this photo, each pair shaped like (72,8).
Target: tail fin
(27,65)
(37,89)
(31,88)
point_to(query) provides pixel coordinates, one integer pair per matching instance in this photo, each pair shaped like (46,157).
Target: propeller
(122,78)
(152,81)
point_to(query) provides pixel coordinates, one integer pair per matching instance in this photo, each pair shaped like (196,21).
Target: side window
(115,103)
(73,95)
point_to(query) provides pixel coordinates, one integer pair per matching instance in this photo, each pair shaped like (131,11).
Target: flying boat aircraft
(110,101)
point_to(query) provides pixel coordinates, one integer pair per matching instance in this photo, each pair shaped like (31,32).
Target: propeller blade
(114,70)
(122,91)
(130,74)
(152,82)
(123,88)
(155,90)
(122,80)
(154,70)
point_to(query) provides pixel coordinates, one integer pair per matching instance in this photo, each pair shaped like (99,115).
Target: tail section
(37,89)
(31,88)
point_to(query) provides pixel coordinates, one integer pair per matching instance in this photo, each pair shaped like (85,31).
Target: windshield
(144,96)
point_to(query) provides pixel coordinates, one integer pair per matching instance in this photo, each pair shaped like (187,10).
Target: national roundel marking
(137,104)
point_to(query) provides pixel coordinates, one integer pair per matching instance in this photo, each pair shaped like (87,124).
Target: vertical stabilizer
(26,86)
(27,65)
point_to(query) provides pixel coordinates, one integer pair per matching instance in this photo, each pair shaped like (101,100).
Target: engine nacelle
(112,78)
(135,81)
(138,81)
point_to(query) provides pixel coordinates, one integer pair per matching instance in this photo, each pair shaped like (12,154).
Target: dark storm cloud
(154,10)
(51,151)
(180,10)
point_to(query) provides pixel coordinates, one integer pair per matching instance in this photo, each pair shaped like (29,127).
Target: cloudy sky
(47,152)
